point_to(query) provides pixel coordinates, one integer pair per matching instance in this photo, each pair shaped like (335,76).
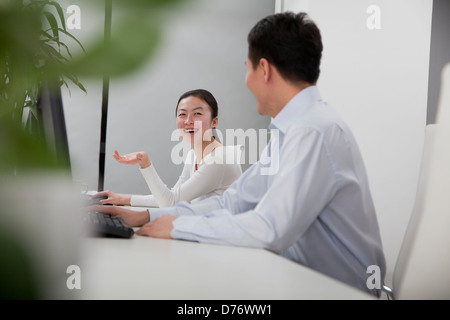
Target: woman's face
(194,121)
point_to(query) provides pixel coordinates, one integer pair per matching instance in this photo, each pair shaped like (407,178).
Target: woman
(205,172)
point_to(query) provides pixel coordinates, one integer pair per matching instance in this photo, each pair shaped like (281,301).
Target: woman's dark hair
(206,96)
(289,41)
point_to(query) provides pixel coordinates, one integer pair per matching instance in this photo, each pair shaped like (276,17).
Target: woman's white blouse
(215,173)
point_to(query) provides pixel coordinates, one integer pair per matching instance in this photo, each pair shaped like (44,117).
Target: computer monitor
(52,122)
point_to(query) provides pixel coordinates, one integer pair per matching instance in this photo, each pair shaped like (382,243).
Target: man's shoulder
(320,116)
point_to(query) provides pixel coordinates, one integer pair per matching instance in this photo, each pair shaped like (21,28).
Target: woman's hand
(112,198)
(140,158)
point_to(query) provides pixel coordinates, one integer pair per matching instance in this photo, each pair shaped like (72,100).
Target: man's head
(291,42)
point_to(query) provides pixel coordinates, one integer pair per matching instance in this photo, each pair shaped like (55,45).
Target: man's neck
(286,93)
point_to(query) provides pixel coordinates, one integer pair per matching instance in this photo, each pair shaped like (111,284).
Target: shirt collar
(295,108)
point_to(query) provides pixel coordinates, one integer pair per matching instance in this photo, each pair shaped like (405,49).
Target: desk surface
(148,268)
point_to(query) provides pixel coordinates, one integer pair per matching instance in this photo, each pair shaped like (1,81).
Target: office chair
(422,270)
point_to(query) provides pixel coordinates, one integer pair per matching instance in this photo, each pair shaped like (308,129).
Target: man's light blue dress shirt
(307,198)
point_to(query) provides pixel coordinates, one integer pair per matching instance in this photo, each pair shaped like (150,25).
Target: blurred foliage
(30,43)
(34,47)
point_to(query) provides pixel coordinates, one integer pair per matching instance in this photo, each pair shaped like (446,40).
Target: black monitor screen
(52,122)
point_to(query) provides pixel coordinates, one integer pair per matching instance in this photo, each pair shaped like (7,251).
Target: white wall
(204,46)
(378,80)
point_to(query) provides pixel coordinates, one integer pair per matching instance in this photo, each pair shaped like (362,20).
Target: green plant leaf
(75,39)
(21,150)
(60,12)
(75,81)
(53,54)
(49,38)
(53,24)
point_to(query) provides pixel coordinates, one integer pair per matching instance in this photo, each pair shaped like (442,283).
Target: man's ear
(266,68)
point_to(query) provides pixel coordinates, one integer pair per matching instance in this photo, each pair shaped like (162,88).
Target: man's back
(315,208)
(341,225)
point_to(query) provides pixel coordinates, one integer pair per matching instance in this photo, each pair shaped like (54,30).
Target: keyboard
(103,225)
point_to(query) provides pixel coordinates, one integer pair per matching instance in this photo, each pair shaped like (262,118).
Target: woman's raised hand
(140,158)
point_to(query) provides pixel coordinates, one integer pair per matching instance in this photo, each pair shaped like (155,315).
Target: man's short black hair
(289,41)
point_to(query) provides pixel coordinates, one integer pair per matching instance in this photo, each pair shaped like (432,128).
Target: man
(308,197)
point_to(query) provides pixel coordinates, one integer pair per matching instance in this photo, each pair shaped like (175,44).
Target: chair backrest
(423,267)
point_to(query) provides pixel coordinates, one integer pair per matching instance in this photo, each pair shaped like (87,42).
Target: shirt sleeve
(239,197)
(208,177)
(294,197)
(143,201)
(184,208)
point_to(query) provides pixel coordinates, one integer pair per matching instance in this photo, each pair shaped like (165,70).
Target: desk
(148,268)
